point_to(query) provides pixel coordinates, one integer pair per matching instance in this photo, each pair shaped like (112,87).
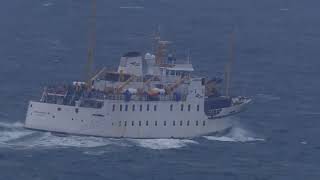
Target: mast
(91,43)
(229,65)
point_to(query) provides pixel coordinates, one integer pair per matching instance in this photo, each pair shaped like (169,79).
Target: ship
(149,95)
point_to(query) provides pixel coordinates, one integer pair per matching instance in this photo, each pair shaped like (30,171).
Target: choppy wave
(236,134)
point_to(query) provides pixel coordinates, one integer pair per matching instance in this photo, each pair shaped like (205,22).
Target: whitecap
(47,4)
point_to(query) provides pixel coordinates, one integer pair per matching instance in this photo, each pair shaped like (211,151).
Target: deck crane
(120,87)
(91,44)
(229,65)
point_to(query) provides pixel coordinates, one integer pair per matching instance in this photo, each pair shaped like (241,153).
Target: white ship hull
(109,121)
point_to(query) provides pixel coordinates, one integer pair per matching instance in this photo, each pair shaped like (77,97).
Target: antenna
(229,64)
(91,42)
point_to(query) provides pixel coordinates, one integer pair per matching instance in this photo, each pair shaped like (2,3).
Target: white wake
(14,135)
(236,134)
(163,143)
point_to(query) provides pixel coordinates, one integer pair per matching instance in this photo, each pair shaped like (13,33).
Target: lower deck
(112,121)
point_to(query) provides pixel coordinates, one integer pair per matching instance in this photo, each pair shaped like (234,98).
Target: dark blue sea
(277,50)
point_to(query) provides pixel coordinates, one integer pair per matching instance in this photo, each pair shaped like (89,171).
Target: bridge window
(140,107)
(181,107)
(120,107)
(155,107)
(126,107)
(113,107)
(189,107)
(133,107)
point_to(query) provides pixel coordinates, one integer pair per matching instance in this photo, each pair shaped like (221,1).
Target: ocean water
(276,63)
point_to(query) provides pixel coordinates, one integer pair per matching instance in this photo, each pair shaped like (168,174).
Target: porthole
(76,110)
(59,109)
(30,105)
(53,116)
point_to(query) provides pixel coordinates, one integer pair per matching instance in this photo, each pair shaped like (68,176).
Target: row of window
(133,107)
(125,123)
